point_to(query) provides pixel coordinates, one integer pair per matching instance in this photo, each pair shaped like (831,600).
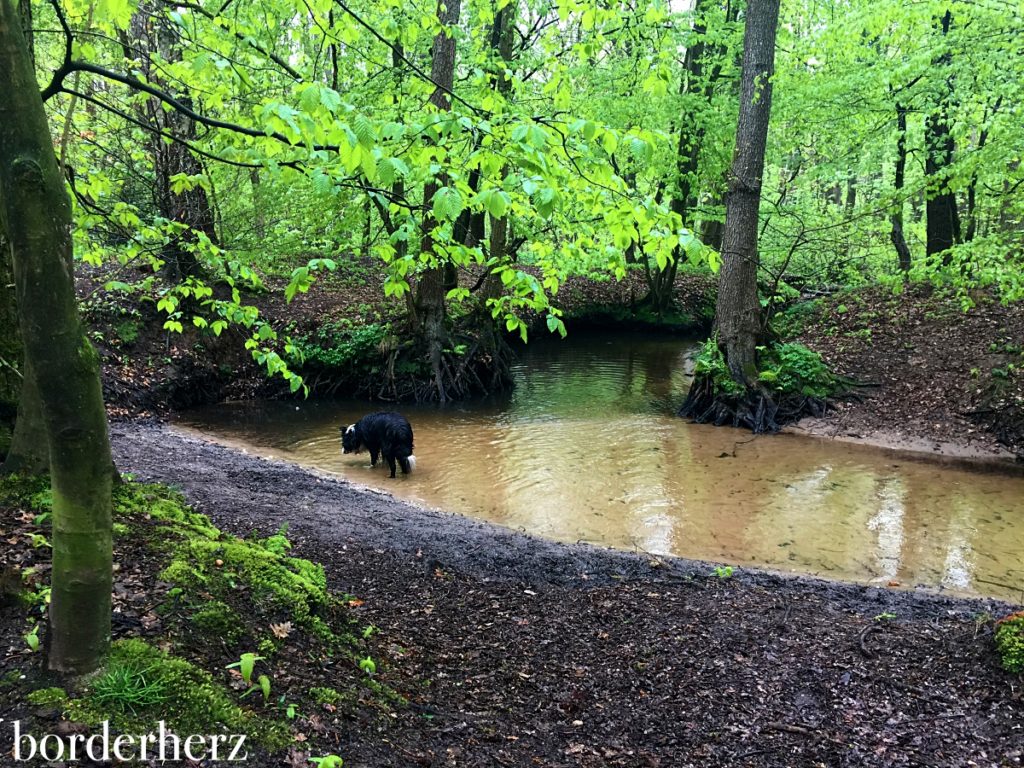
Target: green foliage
(323,695)
(129,688)
(31,639)
(1010,642)
(352,351)
(724,571)
(793,369)
(794,320)
(710,362)
(246,665)
(26,491)
(786,368)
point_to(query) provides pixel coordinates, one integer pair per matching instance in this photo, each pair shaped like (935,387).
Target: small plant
(326,696)
(32,638)
(793,369)
(328,761)
(724,571)
(1010,641)
(368,665)
(885,616)
(129,688)
(245,666)
(262,685)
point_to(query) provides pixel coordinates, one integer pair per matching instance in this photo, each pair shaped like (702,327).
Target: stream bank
(516,651)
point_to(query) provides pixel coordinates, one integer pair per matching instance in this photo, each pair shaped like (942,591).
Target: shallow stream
(587,449)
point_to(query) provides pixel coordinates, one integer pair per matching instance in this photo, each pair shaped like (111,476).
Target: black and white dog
(386,433)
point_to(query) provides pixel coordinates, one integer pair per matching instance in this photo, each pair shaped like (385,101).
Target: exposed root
(758,410)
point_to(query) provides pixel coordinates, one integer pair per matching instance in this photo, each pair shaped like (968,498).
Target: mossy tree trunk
(738,310)
(36,213)
(10,347)
(22,433)
(29,452)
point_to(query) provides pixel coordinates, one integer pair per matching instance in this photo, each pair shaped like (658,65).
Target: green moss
(120,529)
(288,585)
(1010,642)
(219,620)
(48,697)
(163,504)
(183,695)
(328,696)
(10,679)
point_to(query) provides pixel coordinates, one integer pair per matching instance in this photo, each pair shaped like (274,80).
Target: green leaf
(447,204)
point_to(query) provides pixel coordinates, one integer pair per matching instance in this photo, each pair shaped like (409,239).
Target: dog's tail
(408,463)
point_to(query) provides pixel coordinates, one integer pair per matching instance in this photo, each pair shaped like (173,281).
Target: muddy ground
(936,378)
(515,651)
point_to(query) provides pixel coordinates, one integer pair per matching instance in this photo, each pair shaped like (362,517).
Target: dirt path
(514,651)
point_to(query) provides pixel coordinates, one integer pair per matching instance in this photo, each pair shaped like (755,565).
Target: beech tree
(738,308)
(36,214)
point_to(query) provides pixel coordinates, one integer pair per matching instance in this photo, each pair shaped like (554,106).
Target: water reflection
(586,449)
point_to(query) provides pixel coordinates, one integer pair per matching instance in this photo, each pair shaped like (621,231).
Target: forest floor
(516,651)
(937,379)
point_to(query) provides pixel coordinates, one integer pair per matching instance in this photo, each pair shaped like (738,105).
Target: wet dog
(386,433)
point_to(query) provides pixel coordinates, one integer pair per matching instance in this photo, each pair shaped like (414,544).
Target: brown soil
(515,651)
(936,378)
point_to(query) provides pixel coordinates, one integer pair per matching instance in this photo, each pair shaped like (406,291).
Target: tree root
(758,410)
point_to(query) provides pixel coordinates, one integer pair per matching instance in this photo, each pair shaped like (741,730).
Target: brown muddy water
(588,449)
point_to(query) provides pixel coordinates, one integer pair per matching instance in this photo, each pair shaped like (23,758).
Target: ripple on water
(587,448)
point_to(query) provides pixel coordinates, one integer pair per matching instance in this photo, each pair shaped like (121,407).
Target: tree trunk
(899,241)
(738,311)
(430,312)
(152,33)
(943,219)
(29,453)
(37,216)
(22,430)
(661,282)
(10,347)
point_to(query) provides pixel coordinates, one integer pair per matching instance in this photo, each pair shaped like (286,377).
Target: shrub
(786,369)
(337,346)
(1010,642)
(793,369)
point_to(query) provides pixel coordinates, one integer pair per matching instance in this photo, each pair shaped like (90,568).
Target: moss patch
(142,684)
(218,619)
